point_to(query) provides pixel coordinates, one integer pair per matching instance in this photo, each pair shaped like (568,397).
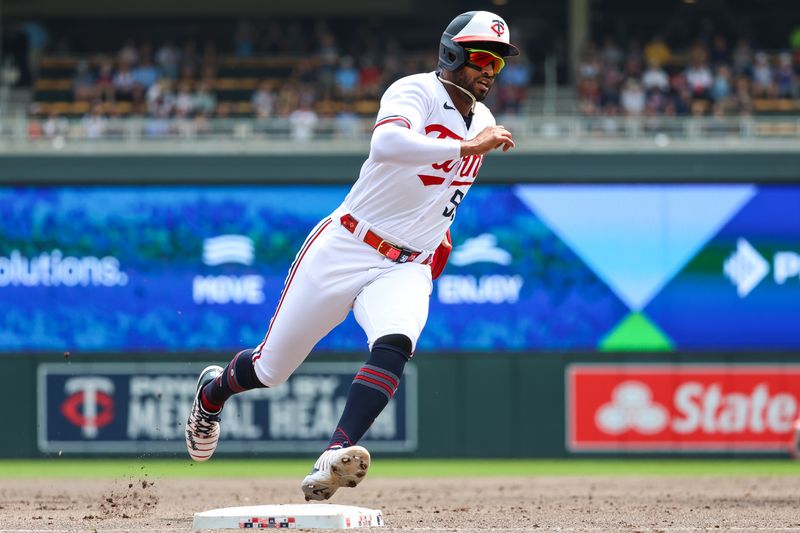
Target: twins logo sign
(136,407)
(89,404)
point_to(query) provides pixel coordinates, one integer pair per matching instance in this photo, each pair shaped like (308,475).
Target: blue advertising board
(534,268)
(131,407)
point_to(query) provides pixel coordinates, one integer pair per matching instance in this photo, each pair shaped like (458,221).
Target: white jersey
(414,205)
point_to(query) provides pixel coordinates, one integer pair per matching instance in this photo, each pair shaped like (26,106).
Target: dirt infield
(620,504)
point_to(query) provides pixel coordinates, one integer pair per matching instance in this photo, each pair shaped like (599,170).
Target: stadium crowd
(325,79)
(705,79)
(326,76)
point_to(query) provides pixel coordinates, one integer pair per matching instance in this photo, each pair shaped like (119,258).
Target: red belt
(385,248)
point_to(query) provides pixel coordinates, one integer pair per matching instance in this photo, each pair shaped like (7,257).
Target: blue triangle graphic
(635,237)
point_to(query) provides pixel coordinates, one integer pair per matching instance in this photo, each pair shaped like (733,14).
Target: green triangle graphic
(636,333)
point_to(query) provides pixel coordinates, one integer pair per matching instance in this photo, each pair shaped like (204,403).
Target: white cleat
(336,467)
(202,427)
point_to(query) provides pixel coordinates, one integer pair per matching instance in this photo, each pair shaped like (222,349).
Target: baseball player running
(378,252)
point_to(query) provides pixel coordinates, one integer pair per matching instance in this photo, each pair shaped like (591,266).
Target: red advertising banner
(662,407)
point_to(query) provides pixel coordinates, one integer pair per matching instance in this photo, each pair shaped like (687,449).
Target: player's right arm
(399,135)
(397,144)
(399,138)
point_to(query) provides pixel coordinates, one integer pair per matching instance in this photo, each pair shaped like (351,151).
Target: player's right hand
(490,138)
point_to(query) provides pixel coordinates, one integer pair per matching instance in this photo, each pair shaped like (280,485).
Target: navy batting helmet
(479,28)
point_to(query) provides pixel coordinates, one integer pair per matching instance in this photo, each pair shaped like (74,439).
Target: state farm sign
(682,407)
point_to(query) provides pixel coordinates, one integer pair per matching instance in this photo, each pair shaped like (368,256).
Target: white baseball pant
(333,273)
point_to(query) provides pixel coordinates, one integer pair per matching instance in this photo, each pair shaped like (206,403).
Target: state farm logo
(631,408)
(227,288)
(89,404)
(689,407)
(487,288)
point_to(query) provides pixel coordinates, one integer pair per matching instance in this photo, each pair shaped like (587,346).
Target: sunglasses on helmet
(480,59)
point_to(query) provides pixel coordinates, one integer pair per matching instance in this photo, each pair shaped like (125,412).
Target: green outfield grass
(262,468)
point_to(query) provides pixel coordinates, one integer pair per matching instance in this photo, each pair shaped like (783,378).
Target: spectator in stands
(55,126)
(168,59)
(657,51)
(742,58)
(721,88)
(743,99)
(609,123)
(264,100)
(204,101)
(35,123)
(634,59)
(611,54)
(287,99)
(346,77)
(346,121)
(244,39)
(655,79)
(303,120)
(720,53)
(128,54)
(105,81)
(762,77)
(190,62)
(184,101)
(161,98)
(144,76)
(632,98)
(698,75)
(306,71)
(370,78)
(84,87)
(589,66)
(682,101)
(785,77)
(94,123)
(124,84)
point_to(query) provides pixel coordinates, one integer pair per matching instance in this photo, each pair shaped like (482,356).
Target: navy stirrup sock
(370,392)
(238,376)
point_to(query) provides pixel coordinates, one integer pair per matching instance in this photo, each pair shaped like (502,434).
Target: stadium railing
(130,134)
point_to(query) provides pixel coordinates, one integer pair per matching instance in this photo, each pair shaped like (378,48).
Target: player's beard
(463,79)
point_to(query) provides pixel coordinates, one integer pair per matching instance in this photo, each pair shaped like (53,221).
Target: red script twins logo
(468,168)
